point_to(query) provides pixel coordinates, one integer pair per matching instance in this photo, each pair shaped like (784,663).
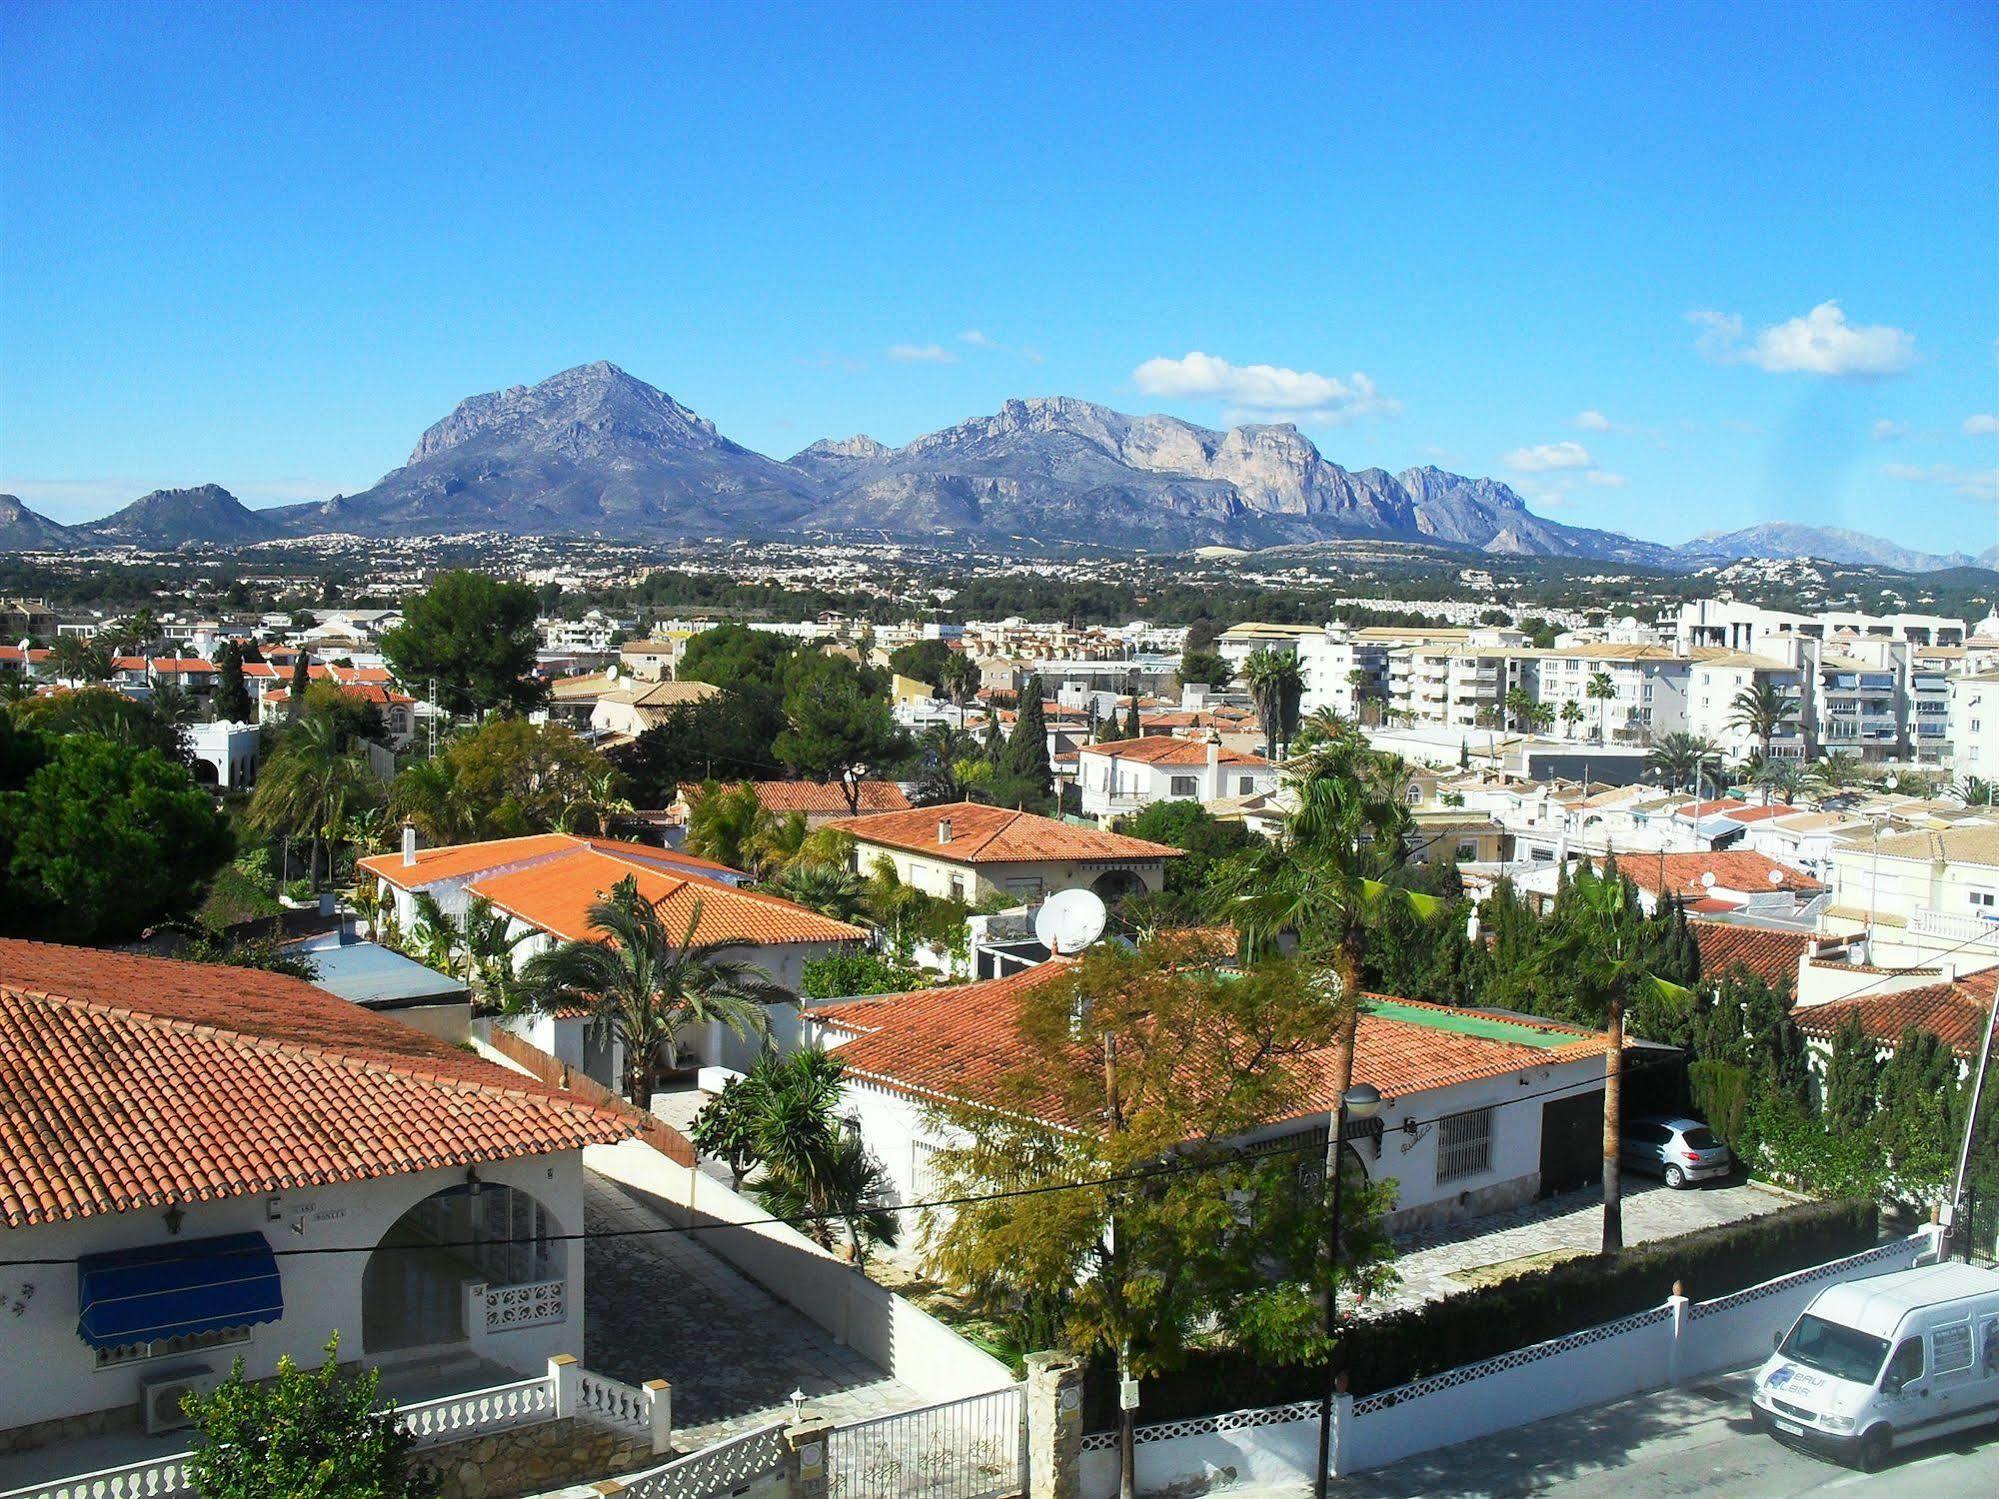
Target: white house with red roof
(1128,775)
(972,852)
(202,1163)
(369,684)
(1482,1110)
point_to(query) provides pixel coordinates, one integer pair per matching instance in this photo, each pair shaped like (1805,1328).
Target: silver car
(1683,1151)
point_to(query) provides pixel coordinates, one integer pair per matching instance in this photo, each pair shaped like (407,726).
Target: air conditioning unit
(161,1398)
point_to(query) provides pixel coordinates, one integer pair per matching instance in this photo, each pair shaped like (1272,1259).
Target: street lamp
(1360,1101)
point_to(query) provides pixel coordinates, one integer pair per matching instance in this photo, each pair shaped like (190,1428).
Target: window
(1950,1348)
(1185,786)
(132,1353)
(1982,901)
(1464,1145)
(1907,1364)
(1026,889)
(1245,785)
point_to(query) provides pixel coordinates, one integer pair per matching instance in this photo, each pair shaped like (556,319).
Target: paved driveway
(662,1307)
(1444,1261)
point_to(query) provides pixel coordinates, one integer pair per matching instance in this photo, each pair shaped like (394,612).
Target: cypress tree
(1025,774)
(1133,729)
(301,677)
(232,693)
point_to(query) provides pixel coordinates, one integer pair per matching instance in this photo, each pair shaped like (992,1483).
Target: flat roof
(380,977)
(1484,1026)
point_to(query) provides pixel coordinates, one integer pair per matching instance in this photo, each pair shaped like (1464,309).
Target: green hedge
(1382,1352)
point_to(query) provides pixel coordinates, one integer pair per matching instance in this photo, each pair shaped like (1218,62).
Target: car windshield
(1832,1349)
(1700,1139)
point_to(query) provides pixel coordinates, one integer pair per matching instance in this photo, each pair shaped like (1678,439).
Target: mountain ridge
(593,450)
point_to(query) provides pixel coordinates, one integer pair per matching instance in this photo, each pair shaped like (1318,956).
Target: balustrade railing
(1953,926)
(530,1304)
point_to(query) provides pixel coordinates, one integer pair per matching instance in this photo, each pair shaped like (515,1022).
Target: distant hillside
(167,517)
(1781,539)
(25,530)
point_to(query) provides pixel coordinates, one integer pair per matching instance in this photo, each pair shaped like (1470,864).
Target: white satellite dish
(610,673)
(1069,921)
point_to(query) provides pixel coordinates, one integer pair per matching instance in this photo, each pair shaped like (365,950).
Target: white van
(1877,1364)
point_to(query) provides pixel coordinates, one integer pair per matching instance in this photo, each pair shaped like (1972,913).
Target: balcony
(1954,927)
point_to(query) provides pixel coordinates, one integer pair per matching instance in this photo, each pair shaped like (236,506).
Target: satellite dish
(1069,921)
(610,673)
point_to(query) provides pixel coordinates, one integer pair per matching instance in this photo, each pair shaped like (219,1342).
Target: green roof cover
(1468,1023)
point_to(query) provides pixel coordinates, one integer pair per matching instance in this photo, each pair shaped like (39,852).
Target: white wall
(322,1292)
(898,1337)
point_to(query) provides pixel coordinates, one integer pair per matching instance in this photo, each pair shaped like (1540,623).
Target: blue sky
(1666,269)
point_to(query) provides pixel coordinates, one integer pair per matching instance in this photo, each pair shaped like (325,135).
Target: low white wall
(1245,1448)
(900,1338)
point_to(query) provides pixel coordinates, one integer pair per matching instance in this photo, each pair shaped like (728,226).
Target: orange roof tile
(997,835)
(960,1042)
(1771,956)
(816,796)
(556,895)
(129,1082)
(457,860)
(1733,869)
(1954,1012)
(1161,749)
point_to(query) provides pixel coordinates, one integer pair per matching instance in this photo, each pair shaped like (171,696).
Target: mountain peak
(581,411)
(168,517)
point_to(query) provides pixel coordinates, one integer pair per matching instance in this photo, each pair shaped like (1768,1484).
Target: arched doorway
(413,1287)
(1114,885)
(205,773)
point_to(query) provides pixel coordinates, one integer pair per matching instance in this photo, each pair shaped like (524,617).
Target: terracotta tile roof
(960,1042)
(1160,749)
(1954,1012)
(1771,956)
(556,895)
(13,653)
(1759,814)
(1726,804)
(130,1082)
(367,692)
(457,860)
(997,835)
(1733,869)
(815,796)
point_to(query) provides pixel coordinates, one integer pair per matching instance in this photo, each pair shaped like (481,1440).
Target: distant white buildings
(1129,775)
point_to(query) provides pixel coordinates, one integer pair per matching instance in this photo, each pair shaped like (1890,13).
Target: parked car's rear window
(1701,1139)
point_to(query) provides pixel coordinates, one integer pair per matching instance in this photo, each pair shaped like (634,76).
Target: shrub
(1382,1352)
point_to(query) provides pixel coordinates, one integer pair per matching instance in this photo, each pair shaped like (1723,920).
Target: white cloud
(1595,421)
(1822,342)
(1887,431)
(921,354)
(1973,484)
(976,339)
(1265,390)
(1603,479)
(1547,456)
(1984,424)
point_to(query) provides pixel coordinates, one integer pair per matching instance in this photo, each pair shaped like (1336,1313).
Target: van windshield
(1831,1349)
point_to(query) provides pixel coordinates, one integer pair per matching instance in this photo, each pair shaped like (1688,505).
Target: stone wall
(532,1459)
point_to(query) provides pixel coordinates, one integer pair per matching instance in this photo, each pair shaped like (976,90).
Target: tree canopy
(474,635)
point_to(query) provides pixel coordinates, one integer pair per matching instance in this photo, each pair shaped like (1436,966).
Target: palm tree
(1834,772)
(1974,791)
(1275,685)
(778,845)
(830,889)
(77,660)
(1597,951)
(726,823)
(1782,778)
(426,795)
(1572,714)
(1762,710)
(1362,687)
(309,786)
(1600,690)
(1541,717)
(1518,708)
(645,986)
(174,704)
(601,799)
(960,678)
(440,943)
(1322,726)
(1682,759)
(489,938)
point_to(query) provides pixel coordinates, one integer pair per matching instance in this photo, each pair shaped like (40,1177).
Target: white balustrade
(1953,926)
(530,1304)
(499,1408)
(160,1475)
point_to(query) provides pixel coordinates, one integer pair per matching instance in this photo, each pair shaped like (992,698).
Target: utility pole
(1960,1226)
(1127,1415)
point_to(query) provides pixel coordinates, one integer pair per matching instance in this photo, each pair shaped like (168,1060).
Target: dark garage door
(1571,1143)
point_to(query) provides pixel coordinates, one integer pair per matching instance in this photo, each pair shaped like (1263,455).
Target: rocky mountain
(1782,539)
(589,450)
(167,517)
(24,530)
(1057,469)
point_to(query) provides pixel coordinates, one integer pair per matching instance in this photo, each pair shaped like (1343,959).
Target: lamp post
(1360,1101)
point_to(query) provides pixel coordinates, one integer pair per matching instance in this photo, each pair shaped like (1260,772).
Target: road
(1692,1441)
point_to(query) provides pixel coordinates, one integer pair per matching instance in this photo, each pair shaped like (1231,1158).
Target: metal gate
(973,1448)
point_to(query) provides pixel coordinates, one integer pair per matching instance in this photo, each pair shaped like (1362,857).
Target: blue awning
(176,1290)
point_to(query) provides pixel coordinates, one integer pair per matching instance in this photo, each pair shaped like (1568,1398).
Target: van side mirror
(1776,1340)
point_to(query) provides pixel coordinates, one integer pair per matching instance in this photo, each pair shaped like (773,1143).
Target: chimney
(1214,764)
(943,830)
(409,844)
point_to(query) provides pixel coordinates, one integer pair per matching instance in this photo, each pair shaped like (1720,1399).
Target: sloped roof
(1954,1012)
(815,796)
(961,1042)
(130,1082)
(997,835)
(556,895)
(457,860)
(1733,869)
(1159,749)
(1976,844)
(1769,955)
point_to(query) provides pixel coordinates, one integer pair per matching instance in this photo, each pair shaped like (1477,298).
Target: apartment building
(1729,625)
(1624,693)
(1460,685)
(1972,705)
(1346,669)
(1717,677)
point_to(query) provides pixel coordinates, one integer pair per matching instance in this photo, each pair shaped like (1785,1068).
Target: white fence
(746,1465)
(567,1389)
(895,1335)
(1662,1345)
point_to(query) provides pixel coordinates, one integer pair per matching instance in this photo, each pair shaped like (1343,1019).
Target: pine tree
(1024,774)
